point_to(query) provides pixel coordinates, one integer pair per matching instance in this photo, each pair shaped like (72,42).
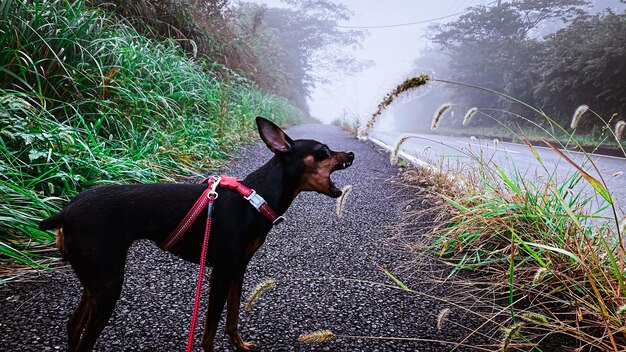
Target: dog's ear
(274,137)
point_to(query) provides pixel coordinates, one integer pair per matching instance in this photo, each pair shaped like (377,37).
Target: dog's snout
(346,160)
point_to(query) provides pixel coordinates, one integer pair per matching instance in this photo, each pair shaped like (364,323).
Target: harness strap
(258,202)
(188,220)
(208,197)
(254,198)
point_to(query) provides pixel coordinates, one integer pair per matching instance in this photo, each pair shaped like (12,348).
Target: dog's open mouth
(333,190)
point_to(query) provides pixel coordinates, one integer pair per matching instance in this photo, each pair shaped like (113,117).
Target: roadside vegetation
(275,47)
(542,258)
(350,124)
(94,95)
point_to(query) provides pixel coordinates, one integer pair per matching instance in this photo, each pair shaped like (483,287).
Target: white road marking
(488,147)
(433,139)
(571,151)
(413,160)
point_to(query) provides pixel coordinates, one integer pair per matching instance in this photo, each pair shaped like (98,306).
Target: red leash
(208,197)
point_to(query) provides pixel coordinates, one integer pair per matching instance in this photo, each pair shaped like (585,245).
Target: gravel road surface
(310,256)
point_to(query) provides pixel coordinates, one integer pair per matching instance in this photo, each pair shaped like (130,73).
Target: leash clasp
(214,185)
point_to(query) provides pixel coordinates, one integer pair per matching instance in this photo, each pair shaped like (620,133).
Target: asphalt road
(453,150)
(323,265)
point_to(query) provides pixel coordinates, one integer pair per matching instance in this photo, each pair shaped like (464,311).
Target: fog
(393,52)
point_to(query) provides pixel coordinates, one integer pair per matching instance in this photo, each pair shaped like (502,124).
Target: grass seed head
(341,200)
(508,334)
(580,111)
(317,336)
(258,291)
(540,274)
(438,114)
(619,129)
(608,123)
(468,115)
(396,149)
(442,317)
(536,317)
(408,84)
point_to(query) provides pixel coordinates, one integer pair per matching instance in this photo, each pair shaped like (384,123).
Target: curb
(411,159)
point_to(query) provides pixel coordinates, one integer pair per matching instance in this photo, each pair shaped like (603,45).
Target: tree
(584,63)
(494,46)
(282,50)
(312,43)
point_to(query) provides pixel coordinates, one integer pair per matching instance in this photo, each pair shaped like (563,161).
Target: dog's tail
(56,222)
(53,222)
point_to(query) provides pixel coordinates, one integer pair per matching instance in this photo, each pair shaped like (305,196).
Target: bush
(85,100)
(538,242)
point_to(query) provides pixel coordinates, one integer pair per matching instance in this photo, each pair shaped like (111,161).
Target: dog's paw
(247,346)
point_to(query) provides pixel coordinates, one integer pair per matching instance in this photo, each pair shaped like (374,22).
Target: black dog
(95,230)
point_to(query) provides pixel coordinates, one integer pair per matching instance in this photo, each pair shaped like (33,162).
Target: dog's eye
(322,153)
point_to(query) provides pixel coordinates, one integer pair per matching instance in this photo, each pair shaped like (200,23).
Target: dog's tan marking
(60,240)
(232,318)
(316,176)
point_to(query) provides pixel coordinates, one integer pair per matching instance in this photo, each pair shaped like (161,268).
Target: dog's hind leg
(76,324)
(232,316)
(103,276)
(101,311)
(103,300)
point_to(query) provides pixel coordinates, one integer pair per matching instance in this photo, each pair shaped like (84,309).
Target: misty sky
(392,51)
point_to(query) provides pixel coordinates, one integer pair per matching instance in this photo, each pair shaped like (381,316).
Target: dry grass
(533,244)
(536,243)
(257,292)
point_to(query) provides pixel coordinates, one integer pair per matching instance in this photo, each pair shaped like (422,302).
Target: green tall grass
(85,100)
(540,242)
(551,247)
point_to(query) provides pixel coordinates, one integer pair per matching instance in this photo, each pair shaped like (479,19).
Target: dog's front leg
(220,282)
(232,316)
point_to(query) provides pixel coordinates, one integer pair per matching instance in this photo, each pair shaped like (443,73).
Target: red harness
(208,197)
(213,182)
